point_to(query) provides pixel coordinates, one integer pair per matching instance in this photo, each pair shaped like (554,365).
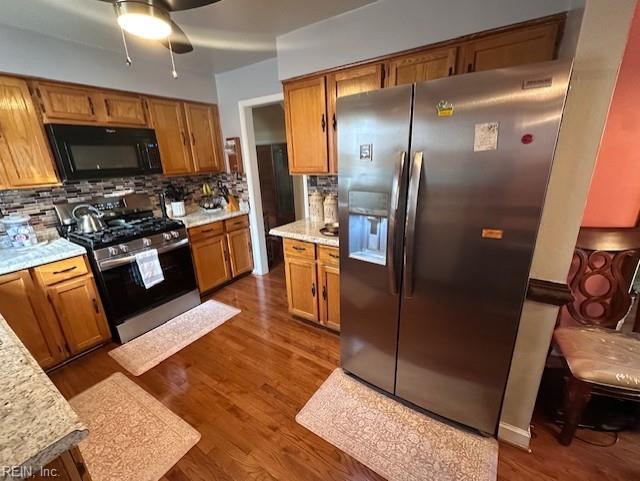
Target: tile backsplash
(326,184)
(38,203)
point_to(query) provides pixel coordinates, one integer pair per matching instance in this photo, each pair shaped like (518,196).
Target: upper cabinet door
(307,125)
(509,49)
(63,102)
(123,109)
(24,151)
(203,138)
(167,120)
(348,82)
(421,66)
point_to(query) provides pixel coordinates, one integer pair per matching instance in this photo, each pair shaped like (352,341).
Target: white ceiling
(226,35)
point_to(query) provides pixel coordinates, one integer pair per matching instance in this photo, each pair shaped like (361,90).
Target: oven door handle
(130,259)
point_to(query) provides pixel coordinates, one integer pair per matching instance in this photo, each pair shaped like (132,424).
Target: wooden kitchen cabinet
(350,81)
(302,287)
(122,109)
(204,137)
(80,313)
(210,261)
(54,309)
(240,251)
(221,251)
(329,280)
(418,67)
(167,118)
(66,102)
(24,310)
(509,49)
(24,153)
(307,125)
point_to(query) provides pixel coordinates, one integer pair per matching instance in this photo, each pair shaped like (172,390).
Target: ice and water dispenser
(368,223)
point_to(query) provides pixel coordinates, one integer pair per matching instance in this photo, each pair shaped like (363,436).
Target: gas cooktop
(119,232)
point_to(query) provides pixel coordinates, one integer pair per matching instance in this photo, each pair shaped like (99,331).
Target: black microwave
(93,152)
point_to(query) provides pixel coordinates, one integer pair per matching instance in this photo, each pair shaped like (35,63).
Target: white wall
(29,53)
(256,80)
(389,26)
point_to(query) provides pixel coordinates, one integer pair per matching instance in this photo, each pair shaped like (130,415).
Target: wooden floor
(242,384)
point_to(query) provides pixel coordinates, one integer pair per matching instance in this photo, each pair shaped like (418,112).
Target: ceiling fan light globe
(143,20)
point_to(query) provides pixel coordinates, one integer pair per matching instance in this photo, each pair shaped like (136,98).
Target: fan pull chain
(126,49)
(173,64)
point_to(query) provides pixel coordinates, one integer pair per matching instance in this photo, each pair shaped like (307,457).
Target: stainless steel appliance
(131,308)
(92,152)
(440,195)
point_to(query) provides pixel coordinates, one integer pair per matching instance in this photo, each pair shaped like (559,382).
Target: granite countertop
(12,260)
(36,422)
(203,217)
(305,230)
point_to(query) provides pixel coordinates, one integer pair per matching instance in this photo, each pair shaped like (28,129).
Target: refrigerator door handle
(410,227)
(392,274)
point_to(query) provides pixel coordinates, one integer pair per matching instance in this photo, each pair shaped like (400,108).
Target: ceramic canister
(330,209)
(19,231)
(316,209)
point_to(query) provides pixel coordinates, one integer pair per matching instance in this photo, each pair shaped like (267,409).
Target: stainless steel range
(127,228)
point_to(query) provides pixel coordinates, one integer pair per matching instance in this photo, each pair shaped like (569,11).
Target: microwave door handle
(410,226)
(392,274)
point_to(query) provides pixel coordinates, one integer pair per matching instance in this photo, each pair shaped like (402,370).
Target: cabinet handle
(334,256)
(323,123)
(450,71)
(206,230)
(106,106)
(93,112)
(324,293)
(313,289)
(193,139)
(68,269)
(335,124)
(470,67)
(184,139)
(299,249)
(250,248)
(95,305)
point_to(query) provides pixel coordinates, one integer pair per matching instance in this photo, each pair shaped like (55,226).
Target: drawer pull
(299,249)
(95,305)
(206,230)
(68,269)
(334,256)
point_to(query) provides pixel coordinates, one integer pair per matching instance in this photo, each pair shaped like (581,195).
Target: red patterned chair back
(603,268)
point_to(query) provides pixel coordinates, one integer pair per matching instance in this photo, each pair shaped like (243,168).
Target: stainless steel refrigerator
(441,187)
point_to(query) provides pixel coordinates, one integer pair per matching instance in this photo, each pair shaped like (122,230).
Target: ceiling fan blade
(177,5)
(179,41)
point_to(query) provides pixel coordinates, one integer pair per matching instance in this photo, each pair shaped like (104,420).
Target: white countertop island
(305,230)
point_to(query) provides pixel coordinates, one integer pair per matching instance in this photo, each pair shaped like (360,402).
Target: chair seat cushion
(601,356)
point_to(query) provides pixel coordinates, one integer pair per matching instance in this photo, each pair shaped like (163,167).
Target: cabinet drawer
(55,272)
(329,255)
(236,223)
(206,231)
(298,248)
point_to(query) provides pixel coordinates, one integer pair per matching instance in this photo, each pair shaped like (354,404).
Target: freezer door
(373,140)
(482,148)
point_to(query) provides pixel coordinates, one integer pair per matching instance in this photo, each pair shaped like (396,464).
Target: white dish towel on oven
(149,267)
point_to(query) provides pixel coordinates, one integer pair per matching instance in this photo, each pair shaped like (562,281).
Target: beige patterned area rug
(132,436)
(393,440)
(153,347)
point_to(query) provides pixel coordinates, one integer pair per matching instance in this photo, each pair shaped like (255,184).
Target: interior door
(482,147)
(346,82)
(168,122)
(373,140)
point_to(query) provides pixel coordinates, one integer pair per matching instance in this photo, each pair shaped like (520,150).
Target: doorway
(275,196)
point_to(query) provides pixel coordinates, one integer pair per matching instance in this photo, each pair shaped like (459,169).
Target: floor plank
(242,384)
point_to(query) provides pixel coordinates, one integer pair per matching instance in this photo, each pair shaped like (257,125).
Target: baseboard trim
(515,436)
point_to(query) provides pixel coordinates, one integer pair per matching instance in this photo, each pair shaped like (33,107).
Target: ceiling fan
(151,19)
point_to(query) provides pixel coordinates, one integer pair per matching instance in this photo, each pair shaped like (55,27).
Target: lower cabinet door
(329,278)
(302,287)
(80,313)
(240,252)
(210,261)
(25,312)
